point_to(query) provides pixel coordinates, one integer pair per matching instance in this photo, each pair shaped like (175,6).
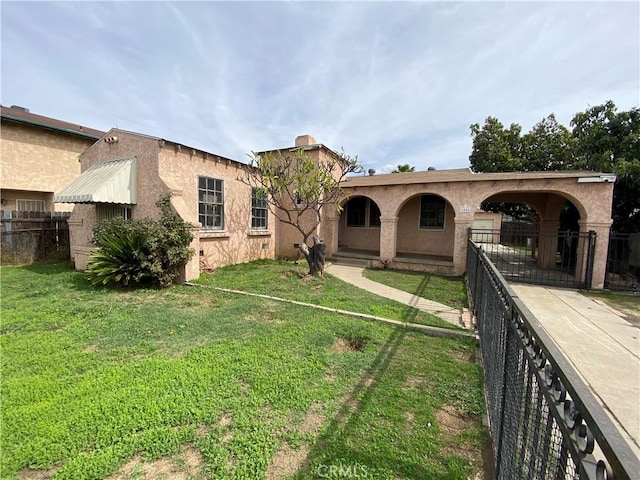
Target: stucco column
(602,230)
(388,237)
(460,244)
(548,244)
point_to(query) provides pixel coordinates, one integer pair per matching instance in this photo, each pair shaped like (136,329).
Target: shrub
(140,251)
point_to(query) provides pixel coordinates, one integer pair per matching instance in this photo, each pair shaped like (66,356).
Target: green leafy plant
(140,251)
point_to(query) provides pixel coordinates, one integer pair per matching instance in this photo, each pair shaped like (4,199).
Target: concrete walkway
(601,345)
(353,275)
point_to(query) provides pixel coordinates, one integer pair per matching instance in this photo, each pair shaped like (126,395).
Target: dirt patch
(341,345)
(463,356)
(410,416)
(286,462)
(328,377)
(413,383)
(187,465)
(90,348)
(203,431)
(225,420)
(368,380)
(313,420)
(33,474)
(452,422)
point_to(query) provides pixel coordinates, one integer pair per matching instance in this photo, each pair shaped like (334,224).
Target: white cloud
(392,82)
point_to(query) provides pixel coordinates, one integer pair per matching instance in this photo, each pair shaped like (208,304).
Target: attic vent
(113,139)
(431,169)
(18,107)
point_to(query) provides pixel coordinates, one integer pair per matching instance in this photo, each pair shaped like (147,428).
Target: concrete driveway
(603,347)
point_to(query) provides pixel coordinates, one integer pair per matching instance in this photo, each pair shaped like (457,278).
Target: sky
(390,82)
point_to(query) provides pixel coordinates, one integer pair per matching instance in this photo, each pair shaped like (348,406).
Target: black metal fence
(29,237)
(623,262)
(545,422)
(560,259)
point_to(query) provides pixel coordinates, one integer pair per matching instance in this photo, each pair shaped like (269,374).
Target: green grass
(449,291)
(283,279)
(626,303)
(95,378)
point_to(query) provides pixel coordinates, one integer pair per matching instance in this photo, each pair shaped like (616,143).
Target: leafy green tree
(602,139)
(548,146)
(298,188)
(135,252)
(609,141)
(405,168)
(496,149)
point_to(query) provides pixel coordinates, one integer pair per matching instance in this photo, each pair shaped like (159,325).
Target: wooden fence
(29,237)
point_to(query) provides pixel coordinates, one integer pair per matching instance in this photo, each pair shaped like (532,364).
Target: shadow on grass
(335,447)
(339,434)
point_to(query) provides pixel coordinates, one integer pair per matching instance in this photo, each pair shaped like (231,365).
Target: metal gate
(558,259)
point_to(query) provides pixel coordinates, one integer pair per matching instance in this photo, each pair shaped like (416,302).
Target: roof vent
(372,172)
(431,169)
(112,139)
(18,107)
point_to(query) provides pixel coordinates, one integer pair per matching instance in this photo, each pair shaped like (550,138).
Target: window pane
(210,202)
(356,212)
(431,212)
(374,214)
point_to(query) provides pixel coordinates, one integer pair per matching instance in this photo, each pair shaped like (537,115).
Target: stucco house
(417,220)
(39,156)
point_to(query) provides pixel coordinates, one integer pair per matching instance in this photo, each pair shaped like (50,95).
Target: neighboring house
(39,157)
(417,220)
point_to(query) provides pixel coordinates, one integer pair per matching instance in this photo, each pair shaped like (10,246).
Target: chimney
(304,140)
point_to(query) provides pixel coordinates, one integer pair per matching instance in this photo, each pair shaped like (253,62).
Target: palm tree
(404,168)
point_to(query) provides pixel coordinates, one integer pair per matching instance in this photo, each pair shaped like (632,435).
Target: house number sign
(465,208)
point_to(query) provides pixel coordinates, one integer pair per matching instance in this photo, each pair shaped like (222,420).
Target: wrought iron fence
(560,259)
(545,422)
(623,262)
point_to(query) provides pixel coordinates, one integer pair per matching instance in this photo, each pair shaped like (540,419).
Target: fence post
(591,248)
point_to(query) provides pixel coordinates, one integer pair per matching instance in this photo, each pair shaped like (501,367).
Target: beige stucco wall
(149,186)
(237,242)
(164,167)
(38,160)
(413,239)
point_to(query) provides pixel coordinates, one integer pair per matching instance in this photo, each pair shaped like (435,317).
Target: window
(107,211)
(259,211)
(30,205)
(211,203)
(374,214)
(431,212)
(362,212)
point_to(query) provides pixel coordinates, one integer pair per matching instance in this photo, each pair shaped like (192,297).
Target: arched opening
(426,229)
(359,227)
(539,240)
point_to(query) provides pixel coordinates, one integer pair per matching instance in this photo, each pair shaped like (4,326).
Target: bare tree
(297,188)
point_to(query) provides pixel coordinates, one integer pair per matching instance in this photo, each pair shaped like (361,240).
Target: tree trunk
(314,255)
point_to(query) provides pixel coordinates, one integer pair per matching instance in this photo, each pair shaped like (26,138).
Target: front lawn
(190,382)
(283,279)
(449,291)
